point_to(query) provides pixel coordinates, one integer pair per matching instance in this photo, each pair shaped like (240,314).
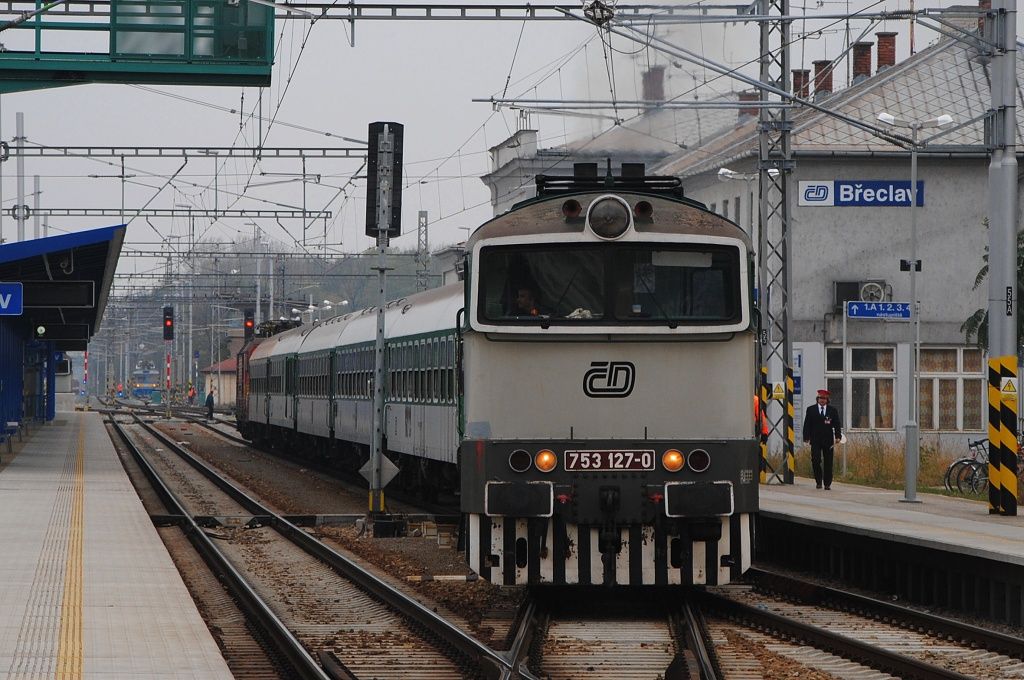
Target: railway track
(407,505)
(840,641)
(349,618)
(564,634)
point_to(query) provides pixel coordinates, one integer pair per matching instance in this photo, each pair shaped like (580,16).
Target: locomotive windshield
(610,283)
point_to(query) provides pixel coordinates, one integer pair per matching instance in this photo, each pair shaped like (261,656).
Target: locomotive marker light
(571,209)
(608,217)
(519,460)
(699,460)
(546,460)
(672,460)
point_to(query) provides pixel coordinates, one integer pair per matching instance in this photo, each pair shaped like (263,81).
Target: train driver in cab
(525,302)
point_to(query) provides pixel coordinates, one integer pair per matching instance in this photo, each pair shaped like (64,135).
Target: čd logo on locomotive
(609,379)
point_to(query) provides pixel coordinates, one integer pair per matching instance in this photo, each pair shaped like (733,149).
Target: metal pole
(35,205)
(191,291)
(256,316)
(913,444)
(846,392)
(1002,312)
(385,151)
(19,209)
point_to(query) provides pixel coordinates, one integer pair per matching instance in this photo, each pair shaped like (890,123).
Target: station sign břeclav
(846,193)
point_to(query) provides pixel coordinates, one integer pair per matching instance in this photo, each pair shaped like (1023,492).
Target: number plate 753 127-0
(609,460)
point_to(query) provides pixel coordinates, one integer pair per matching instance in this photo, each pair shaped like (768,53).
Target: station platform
(87,589)
(942,523)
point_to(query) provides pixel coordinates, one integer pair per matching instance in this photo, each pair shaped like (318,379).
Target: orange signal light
(545,460)
(672,460)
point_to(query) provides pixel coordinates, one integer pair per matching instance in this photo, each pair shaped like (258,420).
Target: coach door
(291,365)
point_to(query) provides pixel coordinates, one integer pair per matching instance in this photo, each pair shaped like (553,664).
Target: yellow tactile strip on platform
(41,627)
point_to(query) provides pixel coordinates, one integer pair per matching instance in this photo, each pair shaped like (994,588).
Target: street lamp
(727,175)
(913,442)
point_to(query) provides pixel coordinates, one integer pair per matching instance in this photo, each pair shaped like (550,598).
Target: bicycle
(962,471)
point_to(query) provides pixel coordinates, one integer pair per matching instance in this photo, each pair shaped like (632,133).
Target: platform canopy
(65,280)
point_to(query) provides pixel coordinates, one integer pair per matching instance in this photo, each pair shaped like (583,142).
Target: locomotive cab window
(619,283)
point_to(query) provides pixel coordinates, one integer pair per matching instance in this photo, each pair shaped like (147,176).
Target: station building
(52,295)
(848,233)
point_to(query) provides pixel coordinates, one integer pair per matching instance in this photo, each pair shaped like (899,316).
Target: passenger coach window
(617,283)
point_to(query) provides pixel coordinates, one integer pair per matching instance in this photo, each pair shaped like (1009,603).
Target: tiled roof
(947,78)
(660,131)
(226,366)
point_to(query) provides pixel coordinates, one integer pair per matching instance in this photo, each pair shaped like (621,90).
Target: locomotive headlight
(672,460)
(519,460)
(608,217)
(699,460)
(545,460)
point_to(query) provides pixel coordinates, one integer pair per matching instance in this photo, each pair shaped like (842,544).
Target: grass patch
(877,462)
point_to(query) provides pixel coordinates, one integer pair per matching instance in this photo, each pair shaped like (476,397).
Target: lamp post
(727,175)
(912,452)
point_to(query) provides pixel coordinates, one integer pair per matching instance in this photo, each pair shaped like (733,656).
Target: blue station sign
(845,193)
(12,299)
(878,310)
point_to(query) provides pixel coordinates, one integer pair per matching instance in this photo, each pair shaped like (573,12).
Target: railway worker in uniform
(822,430)
(209,406)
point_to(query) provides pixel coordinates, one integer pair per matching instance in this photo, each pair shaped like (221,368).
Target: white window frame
(960,375)
(847,377)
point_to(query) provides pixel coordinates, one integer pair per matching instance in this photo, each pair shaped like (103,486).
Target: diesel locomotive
(585,389)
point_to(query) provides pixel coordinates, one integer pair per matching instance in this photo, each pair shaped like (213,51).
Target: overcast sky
(423,74)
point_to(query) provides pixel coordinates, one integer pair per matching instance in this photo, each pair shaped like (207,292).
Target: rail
(491,662)
(254,607)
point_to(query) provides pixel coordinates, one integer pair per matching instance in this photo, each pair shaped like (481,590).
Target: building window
(736,210)
(714,207)
(725,208)
(952,390)
(866,401)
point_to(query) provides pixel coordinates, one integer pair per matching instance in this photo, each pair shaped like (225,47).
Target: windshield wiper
(654,298)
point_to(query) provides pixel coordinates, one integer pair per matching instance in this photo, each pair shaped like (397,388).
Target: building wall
(866,244)
(11,377)
(223,388)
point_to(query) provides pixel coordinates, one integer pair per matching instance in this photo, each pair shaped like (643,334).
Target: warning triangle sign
(777,392)
(1009,386)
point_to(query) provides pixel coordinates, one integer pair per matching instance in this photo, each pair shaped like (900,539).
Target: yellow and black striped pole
(995,437)
(1003,387)
(762,424)
(1009,387)
(790,472)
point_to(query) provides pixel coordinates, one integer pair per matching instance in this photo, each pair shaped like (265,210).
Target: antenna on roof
(609,179)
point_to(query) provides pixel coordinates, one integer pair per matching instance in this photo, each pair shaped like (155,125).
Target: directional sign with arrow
(899,311)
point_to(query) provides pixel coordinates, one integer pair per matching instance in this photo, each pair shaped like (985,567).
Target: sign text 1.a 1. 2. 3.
(878,310)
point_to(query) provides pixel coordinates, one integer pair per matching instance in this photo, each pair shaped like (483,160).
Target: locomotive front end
(608,370)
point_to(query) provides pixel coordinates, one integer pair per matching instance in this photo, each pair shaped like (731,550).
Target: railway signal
(249,325)
(168,323)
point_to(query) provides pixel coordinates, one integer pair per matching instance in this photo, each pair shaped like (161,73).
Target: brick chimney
(861,61)
(986,5)
(747,113)
(654,84)
(822,78)
(801,82)
(886,50)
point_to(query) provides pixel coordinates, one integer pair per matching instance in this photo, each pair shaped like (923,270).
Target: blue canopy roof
(70,259)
